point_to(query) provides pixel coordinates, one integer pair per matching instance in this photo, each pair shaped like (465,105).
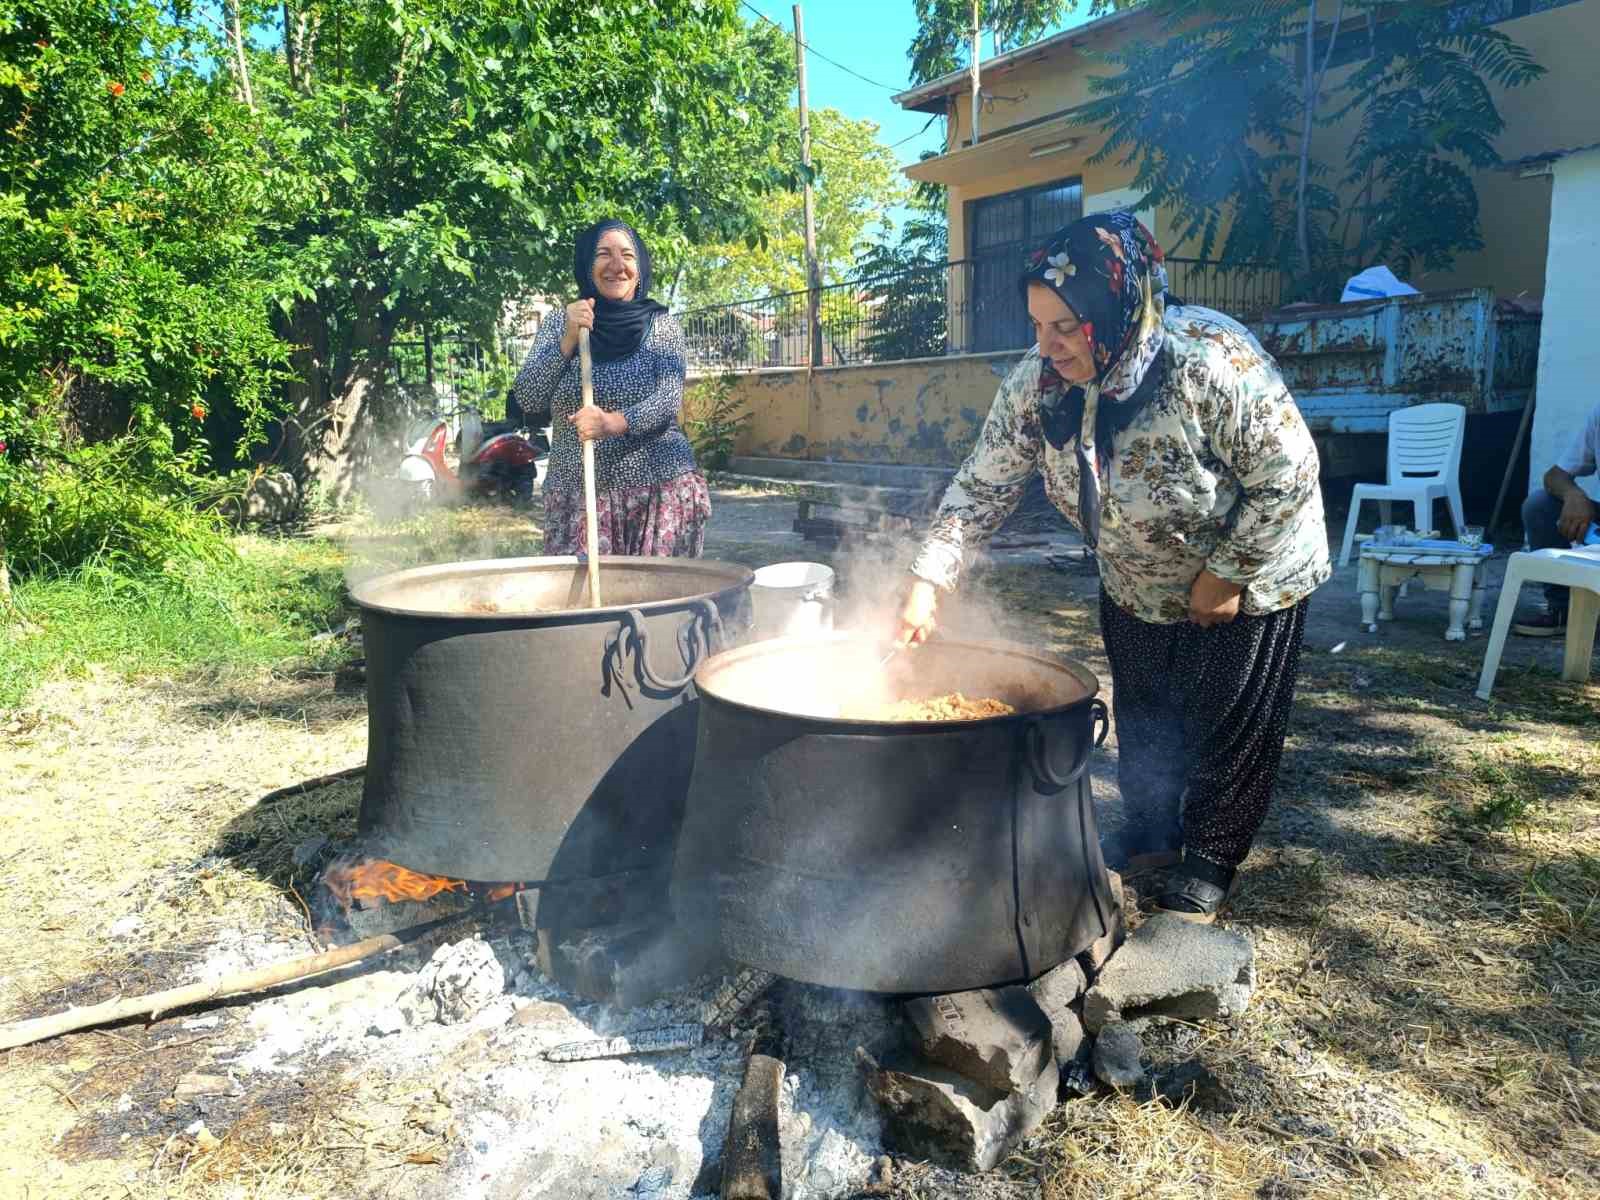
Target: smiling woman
(651,499)
(1165,433)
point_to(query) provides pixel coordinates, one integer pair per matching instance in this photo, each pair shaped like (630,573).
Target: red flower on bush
(198,413)
(115,88)
(2,447)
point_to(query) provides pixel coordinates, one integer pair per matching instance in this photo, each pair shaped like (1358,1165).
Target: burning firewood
(736,995)
(732,998)
(660,1040)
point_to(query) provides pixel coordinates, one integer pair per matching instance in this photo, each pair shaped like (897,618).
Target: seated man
(1558,516)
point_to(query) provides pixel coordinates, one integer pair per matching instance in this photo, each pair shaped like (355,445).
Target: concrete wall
(1569,351)
(920,412)
(1558,110)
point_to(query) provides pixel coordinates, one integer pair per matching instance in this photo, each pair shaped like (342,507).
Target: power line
(816,141)
(830,61)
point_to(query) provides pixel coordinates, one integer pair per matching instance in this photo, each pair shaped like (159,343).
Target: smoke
(870,584)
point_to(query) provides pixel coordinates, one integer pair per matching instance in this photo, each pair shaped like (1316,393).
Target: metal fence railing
(969,306)
(465,370)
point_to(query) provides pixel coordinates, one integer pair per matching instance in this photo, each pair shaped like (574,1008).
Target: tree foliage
(447,154)
(856,183)
(944,28)
(133,295)
(905,284)
(1220,117)
(215,218)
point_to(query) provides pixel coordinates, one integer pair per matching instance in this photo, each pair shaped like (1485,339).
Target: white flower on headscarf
(1060,267)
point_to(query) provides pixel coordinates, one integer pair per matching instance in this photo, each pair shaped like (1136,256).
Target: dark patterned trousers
(1201,716)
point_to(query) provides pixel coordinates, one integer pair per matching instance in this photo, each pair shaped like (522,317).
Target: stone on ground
(996,1037)
(1170,967)
(936,1114)
(458,982)
(1116,1056)
(1057,993)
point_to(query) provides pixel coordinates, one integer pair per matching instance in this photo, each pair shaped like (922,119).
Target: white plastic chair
(1580,571)
(1424,466)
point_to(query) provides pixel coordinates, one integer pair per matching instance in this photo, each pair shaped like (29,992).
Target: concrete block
(1057,993)
(1170,967)
(996,1037)
(933,1113)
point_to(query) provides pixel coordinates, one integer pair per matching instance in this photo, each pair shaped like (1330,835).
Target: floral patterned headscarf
(1108,270)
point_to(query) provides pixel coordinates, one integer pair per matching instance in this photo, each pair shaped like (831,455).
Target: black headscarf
(1108,270)
(619,325)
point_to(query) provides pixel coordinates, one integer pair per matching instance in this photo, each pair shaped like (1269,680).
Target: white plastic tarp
(1373,284)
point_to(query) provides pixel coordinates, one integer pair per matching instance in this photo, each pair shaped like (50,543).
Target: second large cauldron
(886,856)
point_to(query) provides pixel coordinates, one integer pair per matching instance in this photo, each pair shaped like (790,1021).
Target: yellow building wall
(917,412)
(1561,110)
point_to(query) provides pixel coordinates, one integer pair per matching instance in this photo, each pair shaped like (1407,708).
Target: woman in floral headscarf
(1165,433)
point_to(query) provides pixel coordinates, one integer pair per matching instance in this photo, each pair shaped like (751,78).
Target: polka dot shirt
(646,387)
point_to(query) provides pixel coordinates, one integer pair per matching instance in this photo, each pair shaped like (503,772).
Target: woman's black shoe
(1196,890)
(1191,899)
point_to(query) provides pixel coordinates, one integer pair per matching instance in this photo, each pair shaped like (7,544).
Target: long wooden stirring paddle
(586,373)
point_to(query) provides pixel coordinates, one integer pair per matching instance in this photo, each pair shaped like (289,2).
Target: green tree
(857,182)
(446,154)
(1220,117)
(133,294)
(944,28)
(906,283)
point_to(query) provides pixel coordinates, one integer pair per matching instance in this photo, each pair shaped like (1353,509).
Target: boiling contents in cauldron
(951,707)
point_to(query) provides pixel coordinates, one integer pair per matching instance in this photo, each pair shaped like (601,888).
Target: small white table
(1460,571)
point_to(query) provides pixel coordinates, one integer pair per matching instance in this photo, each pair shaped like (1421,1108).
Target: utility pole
(972,69)
(813,271)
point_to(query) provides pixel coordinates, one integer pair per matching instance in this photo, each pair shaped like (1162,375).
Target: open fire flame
(375,879)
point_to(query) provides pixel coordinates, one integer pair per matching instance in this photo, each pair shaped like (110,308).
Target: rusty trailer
(1350,365)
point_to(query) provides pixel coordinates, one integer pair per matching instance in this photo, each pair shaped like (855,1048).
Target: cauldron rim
(736,578)
(706,687)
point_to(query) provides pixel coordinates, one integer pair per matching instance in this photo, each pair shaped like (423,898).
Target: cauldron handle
(694,644)
(1039,761)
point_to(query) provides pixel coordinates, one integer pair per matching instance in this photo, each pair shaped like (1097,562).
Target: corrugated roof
(1534,160)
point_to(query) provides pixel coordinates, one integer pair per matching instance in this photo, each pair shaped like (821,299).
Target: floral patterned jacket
(1217,472)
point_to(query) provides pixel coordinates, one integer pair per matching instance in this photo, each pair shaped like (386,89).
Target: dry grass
(1425,900)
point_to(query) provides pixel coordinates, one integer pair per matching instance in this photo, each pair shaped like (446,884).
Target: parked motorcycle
(497,458)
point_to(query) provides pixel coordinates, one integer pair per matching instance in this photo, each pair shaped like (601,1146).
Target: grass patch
(258,608)
(1512,781)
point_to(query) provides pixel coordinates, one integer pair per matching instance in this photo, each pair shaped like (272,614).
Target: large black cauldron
(894,857)
(515,734)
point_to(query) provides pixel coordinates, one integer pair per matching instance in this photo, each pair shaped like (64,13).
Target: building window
(1001,229)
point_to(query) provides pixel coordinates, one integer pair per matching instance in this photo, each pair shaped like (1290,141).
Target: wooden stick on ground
(38,1029)
(586,374)
(752,1160)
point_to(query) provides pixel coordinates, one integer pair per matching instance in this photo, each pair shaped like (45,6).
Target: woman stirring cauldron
(651,499)
(1167,436)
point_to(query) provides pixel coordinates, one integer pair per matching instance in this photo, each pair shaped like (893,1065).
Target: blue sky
(869,37)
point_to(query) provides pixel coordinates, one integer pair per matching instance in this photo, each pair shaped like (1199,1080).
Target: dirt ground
(1425,902)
